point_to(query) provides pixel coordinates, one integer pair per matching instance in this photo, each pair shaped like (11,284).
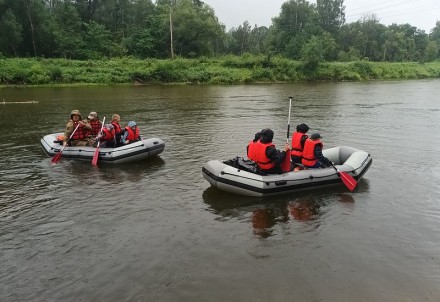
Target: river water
(156,231)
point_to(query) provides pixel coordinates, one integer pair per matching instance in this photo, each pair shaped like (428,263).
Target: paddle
(285,166)
(348,180)
(57,157)
(96,155)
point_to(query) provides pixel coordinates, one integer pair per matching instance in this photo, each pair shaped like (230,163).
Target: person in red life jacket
(119,131)
(107,137)
(80,137)
(95,123)
(131,134)
(298,140)
(267,157)
(312,154)
(250,148)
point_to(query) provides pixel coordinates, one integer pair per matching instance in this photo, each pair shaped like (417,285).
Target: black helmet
(267,135)
(303,128)
(315,135)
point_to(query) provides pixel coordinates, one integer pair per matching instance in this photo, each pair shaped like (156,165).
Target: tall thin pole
(171,34)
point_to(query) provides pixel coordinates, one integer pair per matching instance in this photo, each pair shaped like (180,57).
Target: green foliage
(227,70)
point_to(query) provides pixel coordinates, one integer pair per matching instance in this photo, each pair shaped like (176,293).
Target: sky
(420,13)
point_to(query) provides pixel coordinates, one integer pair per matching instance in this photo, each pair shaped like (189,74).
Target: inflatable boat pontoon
(228,178)
(125,154)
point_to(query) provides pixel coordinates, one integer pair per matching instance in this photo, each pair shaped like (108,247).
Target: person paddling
(312,155)
(80,137)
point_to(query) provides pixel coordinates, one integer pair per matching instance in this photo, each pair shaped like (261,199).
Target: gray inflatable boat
(125,154)
(228,178)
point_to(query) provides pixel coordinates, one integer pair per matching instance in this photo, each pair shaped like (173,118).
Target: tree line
(96,29)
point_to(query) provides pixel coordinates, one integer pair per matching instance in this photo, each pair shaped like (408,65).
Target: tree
(10,33)
(331,15)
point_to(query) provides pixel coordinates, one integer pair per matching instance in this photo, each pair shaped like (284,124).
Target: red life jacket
(297,149)
(107,134)
(117,127)
(80,132)
(260,155)
(251,150)
(309,159)
(96,126)
(132,136)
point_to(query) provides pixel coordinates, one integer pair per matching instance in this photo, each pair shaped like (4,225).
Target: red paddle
(57,157)
(96,155)
(348,180)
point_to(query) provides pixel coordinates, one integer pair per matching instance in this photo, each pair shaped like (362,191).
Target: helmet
(131,123)
(303,128)
(75,112)
(315,135)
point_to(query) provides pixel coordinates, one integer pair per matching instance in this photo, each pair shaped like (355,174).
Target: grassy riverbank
(225,70)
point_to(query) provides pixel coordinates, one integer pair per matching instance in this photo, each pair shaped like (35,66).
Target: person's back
(298,141)
(312,154)
(268,158)
(251,146)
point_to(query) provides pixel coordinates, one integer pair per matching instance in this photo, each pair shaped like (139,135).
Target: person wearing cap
(299,138)
(80,137)
(95,123)
(267,157)
(131,134)
(312,154)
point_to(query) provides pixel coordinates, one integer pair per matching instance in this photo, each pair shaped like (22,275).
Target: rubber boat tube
(125,154)
(230,179)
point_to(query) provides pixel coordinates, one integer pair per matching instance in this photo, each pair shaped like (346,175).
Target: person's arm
(321,157)
(67,132)
(275,155)
(86,125)
(124,138)
(303,141)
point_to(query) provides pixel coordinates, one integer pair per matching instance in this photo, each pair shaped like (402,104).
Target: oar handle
(100,131)
(288,120)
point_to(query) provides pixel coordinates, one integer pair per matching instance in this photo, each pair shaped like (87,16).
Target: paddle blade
(285,165)
(56,158)
(95,157)
(348,180)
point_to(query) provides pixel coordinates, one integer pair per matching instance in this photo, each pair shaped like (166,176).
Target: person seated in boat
(131,133)
(312,155)
(119,131)
(299,138)
(267,157)
(95,123)
(107,136)
(250,148)
(80,137)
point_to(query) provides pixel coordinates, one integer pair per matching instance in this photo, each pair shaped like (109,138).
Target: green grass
(224,70)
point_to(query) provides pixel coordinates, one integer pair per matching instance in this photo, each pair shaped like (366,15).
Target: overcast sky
(420,13)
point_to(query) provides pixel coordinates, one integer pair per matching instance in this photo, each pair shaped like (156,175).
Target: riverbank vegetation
(182,41)
(225,70)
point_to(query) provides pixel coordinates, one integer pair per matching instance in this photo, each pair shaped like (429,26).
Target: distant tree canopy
(94,29)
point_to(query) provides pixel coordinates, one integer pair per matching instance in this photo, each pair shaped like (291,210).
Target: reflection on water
(268,213)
